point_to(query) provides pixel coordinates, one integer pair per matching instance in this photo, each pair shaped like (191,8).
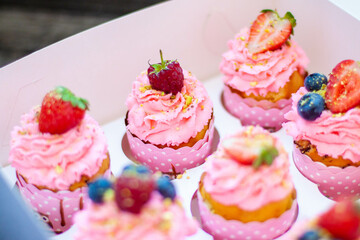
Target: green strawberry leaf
(67,96)
(266,156)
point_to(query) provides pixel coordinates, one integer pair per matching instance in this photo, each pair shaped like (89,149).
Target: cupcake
(170,121)
(341,221)
(246,191)
(56,150)
(136,206)
(262,68)
(324,122)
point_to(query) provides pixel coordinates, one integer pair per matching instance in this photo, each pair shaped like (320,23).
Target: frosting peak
(332,134)
(161,118)
(56,161)
(260,73)
(249,188)
(157,220)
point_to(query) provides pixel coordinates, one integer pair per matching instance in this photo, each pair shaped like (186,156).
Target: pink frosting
(260,73)
(333,135)
(231,183)
(57,161)
(157,118)
(106,221)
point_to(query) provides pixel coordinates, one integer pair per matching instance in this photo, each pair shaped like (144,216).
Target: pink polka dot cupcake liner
(168,160)
(333,182)
(55,208)
(223,229)
(264,113)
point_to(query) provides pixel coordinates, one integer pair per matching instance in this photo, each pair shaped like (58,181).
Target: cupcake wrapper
(221,228)
(55,208)
(252,112)
(333,182)
(165,159)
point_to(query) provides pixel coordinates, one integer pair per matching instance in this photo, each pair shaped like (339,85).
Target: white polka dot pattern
(57,207)
(253,115)
(164,159)
(220,228)
(333,182)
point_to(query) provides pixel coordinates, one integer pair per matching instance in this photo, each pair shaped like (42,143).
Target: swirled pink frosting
(231,183)
(260,73)
(56,161)
(156,221)
(165,120)
(332,134)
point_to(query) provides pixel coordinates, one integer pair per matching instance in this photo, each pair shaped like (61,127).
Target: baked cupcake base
(170,160)
(249,112)
(55,208)
(333,182)
(221,228)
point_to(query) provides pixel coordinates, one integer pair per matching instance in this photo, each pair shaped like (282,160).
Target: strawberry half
(343,89)
(60,111)
(269,31)
(255,150)
(342,221)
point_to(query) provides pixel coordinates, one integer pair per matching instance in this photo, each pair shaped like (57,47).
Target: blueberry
(142,169)
(165,187)
(314,81)
(129,168)
(98,188)
(310,106)
(310,235)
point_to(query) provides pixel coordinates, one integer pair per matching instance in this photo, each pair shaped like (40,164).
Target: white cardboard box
(101,63)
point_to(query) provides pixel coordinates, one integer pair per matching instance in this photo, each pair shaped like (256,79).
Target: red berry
(60,111)
(343,89)
(269,31)
(251,150)
(132,192)
(166,76)
(342,221)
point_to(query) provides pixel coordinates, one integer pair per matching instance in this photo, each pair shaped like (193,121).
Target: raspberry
(166,76)
(133,190)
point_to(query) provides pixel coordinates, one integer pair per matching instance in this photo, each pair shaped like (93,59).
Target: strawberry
(166,76)
(254,150)
(342,221)
(133,190)
(343,89)
(269,31)
(60,111)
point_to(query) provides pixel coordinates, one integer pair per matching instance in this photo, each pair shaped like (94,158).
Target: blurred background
(29,25)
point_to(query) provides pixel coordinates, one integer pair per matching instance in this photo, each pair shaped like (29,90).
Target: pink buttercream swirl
(263,72)
(332,134)
(156,221)
(57,161)
(232,183)
(163,119)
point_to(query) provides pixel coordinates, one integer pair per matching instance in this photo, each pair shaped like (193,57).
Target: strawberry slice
(251,150)
(343,89)
(240,150)
(269,31)
(342,221)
